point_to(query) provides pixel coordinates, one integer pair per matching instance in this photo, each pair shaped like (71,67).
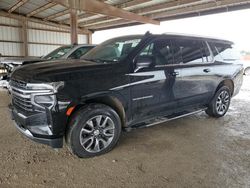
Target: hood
(58,70)
(19,60)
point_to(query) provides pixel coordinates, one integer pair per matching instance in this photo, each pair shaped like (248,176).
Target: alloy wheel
(97,133)
(222,102)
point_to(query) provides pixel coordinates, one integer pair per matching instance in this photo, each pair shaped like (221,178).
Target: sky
(233,26)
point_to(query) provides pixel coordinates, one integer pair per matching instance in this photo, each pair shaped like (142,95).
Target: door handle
(206,70)
(174,73)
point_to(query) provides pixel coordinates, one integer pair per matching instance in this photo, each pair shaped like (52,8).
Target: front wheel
(219,105)
(93,130)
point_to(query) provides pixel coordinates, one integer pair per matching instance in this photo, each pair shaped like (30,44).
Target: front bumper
(21,122)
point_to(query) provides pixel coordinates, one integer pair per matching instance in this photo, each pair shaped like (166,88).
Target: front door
(152,88)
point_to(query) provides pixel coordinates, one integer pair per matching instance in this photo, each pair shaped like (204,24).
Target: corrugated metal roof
(53,10)
(147,4)
(156,9)
(7,4)
(66,16)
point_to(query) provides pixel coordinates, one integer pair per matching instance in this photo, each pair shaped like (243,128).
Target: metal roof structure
(95,15)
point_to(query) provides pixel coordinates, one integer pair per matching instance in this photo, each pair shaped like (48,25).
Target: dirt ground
(195,151)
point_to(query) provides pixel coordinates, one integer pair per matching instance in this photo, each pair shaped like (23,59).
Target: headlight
(43,95)
(45,100)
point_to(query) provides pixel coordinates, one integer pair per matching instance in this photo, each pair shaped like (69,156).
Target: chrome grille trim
(19,94)
(25,105)
(18,84)
(22,91)
(21,100)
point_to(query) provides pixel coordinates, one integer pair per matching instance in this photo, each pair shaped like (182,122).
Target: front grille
(21,99)
(18,84)
(22,103)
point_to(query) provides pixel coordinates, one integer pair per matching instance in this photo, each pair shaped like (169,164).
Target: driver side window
(160,50)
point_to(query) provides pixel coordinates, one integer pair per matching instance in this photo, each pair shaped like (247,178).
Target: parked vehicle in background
(8,64)
(3,72)
(124,83)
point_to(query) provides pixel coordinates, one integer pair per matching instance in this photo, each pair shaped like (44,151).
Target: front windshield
(59,52)
(113,50)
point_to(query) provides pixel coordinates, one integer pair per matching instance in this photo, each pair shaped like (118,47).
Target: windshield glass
(113,50)
(59,52)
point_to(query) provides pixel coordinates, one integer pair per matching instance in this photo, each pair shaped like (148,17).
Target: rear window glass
(190,51)
(225,52)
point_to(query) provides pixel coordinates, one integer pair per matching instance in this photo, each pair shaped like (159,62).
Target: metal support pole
(73,26)
(24,37)
(89,38)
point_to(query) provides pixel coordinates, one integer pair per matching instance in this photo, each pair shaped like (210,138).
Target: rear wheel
(93,130)
(219,105)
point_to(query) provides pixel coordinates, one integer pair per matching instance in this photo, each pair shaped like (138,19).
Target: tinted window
(160,50)
(113,50)
(59,52)
(225,52)
(80,52)
(190,51)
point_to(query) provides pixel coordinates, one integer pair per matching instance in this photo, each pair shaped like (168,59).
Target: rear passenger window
(190,51)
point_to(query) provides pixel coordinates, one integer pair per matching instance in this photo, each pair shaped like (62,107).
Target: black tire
(89,123)
(216,108)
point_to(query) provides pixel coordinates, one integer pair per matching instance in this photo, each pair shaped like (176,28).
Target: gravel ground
(195,151)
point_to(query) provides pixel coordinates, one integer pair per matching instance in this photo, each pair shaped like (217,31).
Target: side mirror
(144,62)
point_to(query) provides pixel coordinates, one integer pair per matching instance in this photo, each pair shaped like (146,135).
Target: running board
(161,120)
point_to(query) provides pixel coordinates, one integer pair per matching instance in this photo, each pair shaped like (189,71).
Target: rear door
(193,60)
(226,58)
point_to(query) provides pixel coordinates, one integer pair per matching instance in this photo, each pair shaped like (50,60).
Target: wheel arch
(106,99)
(227,82)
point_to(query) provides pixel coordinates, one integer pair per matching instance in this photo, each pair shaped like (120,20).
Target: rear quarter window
(225,52)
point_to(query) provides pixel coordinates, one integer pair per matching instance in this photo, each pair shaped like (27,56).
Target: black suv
(124,83)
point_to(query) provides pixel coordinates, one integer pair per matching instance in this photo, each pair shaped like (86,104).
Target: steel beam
(40,9)
(98,7)
(17,5)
